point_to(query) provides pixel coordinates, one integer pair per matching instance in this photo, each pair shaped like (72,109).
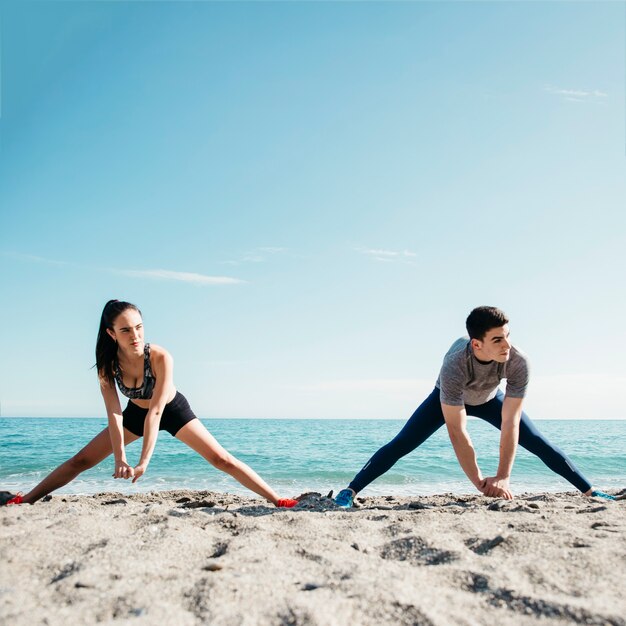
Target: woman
(144,374)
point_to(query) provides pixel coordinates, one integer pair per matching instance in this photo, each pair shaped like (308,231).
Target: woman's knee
(81,462)
(223,462)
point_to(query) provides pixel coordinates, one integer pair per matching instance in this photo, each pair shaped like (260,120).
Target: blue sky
(306,199)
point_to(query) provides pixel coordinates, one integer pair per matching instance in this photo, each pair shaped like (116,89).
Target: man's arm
(511,415)
(456,422)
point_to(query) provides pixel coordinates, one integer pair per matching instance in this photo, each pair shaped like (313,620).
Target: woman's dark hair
(482,319)
(106,348)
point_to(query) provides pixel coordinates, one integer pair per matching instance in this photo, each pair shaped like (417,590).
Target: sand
(188,557)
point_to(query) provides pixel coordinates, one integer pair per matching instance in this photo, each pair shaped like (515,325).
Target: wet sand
(188,557)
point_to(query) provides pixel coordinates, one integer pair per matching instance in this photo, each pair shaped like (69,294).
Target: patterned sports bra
(137,393)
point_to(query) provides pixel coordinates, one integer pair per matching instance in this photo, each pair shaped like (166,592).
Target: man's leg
(531,439)
(423,423)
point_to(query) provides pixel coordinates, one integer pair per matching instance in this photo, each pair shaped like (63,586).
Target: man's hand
(139,470)
(123,470)
(495,487)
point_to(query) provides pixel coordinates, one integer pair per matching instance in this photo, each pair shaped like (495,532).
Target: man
(468,385)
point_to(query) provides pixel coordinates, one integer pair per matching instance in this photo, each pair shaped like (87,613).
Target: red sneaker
(7,498)
(286,503)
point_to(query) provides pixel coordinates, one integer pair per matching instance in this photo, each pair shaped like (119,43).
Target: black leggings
(429,417)
(175,415)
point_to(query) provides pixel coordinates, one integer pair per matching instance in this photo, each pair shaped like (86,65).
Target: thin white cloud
(33,258)
(185,277)
(577,95)
(380,254)
(158,274)
(272,249)
(257,255)
(570,92)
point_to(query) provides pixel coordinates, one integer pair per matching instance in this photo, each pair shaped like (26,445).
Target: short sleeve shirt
(464,379)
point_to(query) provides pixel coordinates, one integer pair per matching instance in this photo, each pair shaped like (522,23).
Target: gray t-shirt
(463,379)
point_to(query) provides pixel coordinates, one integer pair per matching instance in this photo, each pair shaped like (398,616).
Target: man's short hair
(482,319)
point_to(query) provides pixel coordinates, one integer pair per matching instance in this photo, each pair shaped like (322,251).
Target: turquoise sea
(308,455)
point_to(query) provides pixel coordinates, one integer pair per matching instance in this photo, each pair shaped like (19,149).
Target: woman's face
(128,332)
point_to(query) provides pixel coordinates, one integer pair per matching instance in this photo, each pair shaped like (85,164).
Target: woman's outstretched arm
(163,368)
(116,429)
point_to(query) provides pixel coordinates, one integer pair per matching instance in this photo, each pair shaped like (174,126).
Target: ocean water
(294,456)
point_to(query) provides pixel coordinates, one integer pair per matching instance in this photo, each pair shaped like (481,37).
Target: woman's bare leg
(198,438)
(98,449)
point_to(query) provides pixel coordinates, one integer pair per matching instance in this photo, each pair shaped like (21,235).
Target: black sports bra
(137,393)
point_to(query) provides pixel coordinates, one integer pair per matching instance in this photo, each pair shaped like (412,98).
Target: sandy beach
(183,557)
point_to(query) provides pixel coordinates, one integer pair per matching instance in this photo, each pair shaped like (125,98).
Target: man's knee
(397,448)
(538,445)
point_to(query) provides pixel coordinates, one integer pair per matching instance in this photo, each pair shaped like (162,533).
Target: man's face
(495,345)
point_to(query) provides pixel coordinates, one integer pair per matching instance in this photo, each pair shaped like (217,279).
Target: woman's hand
(123,470)
(139,470)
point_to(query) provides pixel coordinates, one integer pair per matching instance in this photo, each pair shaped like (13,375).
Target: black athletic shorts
(175,415)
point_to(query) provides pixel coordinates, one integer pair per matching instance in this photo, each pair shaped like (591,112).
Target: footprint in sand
(499,597)
(416,551)
(478,546)
(198,600)
(219,550)
(67,570)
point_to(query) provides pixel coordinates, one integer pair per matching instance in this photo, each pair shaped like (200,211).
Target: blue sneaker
(598,494)
(345,498)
